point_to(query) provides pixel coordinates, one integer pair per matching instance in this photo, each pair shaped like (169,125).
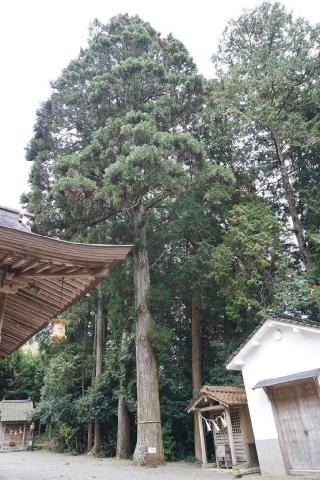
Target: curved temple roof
(222,394)
(40,277)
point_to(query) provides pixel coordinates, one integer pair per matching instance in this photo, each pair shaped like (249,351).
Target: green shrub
(169,443)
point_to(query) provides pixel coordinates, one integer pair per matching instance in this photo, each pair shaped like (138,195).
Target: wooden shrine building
(280,365)
(16,427)
(223,413)
(40,277)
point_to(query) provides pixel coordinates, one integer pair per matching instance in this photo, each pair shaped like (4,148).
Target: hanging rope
(214,423)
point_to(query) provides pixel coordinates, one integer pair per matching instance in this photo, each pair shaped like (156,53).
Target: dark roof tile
(11,219)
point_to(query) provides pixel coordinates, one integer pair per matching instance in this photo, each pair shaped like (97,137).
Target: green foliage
(268,89)
(21,376)
(246,263)
(130,122)
(65,438)
(169,443)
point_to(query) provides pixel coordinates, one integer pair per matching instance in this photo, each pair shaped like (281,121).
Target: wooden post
(202,440)
(215,446)
(230,436)
(4,435)
(24,434)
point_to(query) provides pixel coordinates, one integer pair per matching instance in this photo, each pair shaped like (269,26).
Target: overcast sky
(39,37)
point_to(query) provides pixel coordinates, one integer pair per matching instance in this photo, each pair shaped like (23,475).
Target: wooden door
(297,409)
(221,438)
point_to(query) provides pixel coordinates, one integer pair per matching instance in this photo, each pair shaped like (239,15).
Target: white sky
(39,37)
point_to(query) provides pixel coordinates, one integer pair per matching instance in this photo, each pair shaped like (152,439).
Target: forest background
(215,182)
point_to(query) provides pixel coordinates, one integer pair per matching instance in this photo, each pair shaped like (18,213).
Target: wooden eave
(40,277)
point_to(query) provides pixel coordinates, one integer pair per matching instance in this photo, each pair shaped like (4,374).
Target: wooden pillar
(202,440)
(230,436)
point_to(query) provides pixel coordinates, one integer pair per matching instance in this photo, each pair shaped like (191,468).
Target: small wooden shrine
(223,413)
(16,427)
(40,277)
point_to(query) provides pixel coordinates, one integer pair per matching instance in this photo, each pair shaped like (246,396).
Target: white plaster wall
(295,352)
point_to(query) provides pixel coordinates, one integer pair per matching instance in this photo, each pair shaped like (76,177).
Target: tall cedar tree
(268,66)
(112,140)
(193,228)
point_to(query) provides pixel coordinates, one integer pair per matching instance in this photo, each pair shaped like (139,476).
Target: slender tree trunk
(123,433)
(297,227)
(196,364)
(91,425)
(99,361)
(89,437)
(149,447)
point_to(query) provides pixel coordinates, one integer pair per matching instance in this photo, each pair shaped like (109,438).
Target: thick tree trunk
(123,433)
(196,364)
(100,342)
(297,227)
(149,447)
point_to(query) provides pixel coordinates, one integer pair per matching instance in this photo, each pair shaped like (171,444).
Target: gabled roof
(15,410)
(235,361)
(222,394)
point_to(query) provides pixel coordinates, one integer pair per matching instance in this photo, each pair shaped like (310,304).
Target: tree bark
(123,433)
(91,425)
(196,364)
(100,342)
(297,227)
(100,331)
(89,437)
(149,447)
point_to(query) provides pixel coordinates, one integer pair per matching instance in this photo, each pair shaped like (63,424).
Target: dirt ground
(44,465)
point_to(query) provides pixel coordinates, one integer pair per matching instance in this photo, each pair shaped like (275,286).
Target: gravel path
(44,465)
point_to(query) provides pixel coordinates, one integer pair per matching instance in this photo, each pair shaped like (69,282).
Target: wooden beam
(6,259)
(20,262)
(211,408)
(202,440)
(230,436)
(32,265)
(3,301)
(19,304)
(81,274)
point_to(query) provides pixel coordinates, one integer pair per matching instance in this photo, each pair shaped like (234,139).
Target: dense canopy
(215,183)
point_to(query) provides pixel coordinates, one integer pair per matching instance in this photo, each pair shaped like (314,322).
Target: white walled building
(280,364)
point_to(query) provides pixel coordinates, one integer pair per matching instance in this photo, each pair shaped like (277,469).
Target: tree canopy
(215,182)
